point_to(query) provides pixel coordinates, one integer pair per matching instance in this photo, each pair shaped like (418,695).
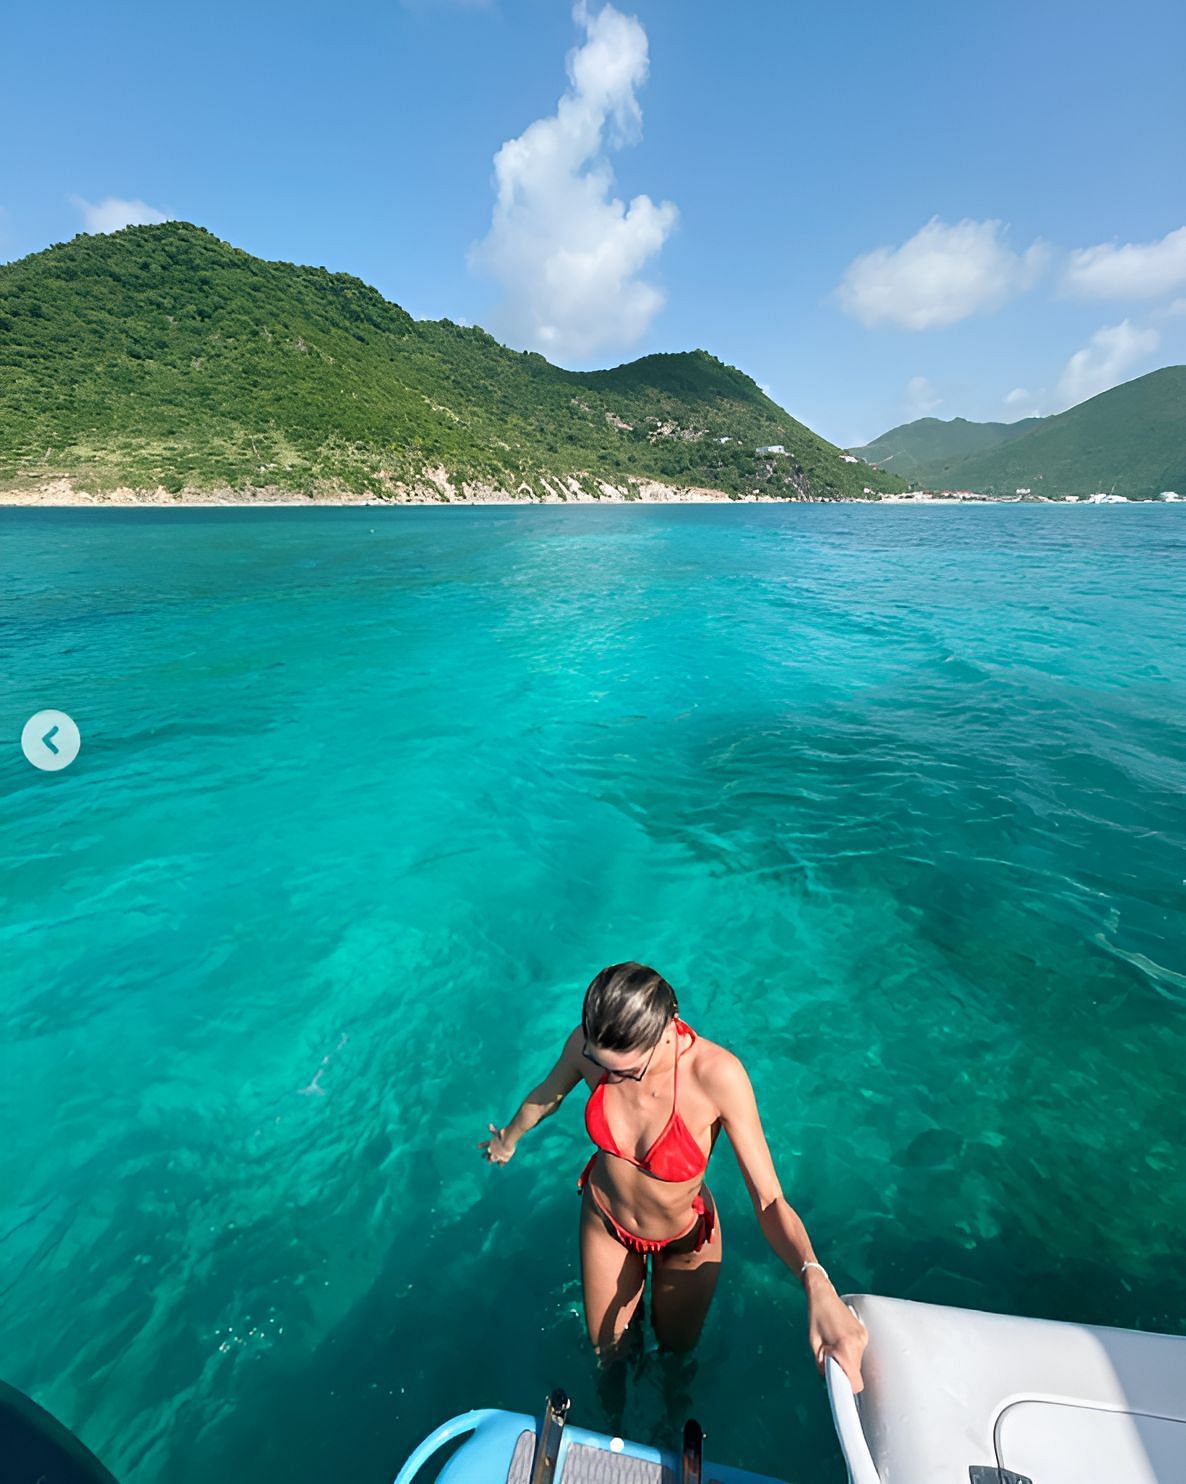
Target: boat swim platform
(514,1448)
(583,1464)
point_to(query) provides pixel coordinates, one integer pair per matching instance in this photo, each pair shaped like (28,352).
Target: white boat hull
(952,1391)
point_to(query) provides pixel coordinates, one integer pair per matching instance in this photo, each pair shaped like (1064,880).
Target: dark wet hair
(627,1008)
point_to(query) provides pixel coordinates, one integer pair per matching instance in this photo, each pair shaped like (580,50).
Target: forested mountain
(1130,440)
(160,355)
(924,450)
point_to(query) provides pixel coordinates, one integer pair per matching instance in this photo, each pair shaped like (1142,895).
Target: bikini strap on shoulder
(680,1025)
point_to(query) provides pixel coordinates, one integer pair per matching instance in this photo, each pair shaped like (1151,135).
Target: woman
(660,1096)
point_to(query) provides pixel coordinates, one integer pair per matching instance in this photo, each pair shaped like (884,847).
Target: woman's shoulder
(715,1065)
(579,1066)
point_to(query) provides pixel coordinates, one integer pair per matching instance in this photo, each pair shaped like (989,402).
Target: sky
(879,212)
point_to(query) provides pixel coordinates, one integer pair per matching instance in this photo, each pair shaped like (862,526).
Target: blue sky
(876,211)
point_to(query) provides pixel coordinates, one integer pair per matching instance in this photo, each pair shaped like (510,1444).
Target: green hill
(1130,440)
(159,355)
(922,451)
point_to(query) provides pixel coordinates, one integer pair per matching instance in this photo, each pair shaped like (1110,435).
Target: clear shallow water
(893,796)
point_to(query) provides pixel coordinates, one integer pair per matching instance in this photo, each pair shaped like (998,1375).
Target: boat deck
(582,1464)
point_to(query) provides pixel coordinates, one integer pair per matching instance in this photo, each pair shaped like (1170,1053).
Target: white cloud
(1137,270)
(921,397)
(110,214)
(565,251)
(1023,403)
(1104,361)
(941,275)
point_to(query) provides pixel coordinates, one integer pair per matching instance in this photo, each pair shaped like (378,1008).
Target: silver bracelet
(811,1264)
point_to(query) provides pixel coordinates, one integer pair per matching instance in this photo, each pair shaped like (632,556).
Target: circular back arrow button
(50,740)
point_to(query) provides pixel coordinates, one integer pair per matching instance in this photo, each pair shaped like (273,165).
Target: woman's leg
(682,1285)
(612,1277)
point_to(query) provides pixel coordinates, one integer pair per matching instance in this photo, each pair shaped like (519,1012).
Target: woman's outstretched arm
(833,1329)
(539,1103)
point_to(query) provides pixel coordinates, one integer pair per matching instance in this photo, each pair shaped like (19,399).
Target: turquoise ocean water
(894,797)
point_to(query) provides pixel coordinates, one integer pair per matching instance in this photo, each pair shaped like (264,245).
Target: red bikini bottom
(703,1224)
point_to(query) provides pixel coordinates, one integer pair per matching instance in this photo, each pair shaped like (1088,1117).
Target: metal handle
(463,1422)
(547,1449)
(692,1460)
(861,1468)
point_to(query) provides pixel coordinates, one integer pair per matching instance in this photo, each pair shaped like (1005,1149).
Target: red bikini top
(675,1154)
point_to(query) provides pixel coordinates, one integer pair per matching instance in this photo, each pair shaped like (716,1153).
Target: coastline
(62,494)
(20,500)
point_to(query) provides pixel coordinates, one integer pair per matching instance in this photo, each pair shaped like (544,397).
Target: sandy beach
(235,500)
(63,493)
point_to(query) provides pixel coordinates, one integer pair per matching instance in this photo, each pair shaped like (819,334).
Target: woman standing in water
(660,1095)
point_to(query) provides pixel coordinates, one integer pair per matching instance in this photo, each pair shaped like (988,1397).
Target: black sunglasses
(613,1072)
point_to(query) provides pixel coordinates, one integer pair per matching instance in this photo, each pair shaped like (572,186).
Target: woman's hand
(498,1148)
(833,1329)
